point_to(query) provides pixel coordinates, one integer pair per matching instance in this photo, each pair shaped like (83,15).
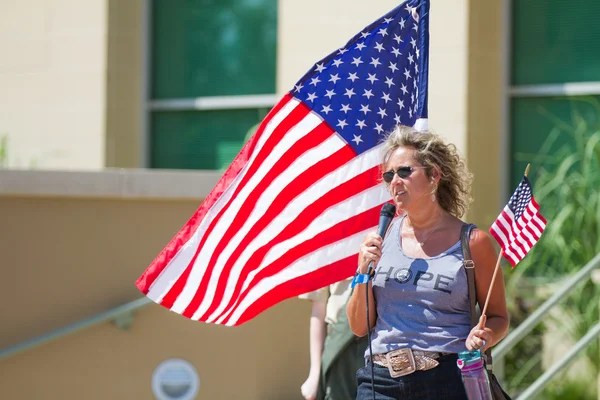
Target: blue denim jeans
(440,383)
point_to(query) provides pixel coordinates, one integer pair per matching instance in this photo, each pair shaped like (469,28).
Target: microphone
(385,218)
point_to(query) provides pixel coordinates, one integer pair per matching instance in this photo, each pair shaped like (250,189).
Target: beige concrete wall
(125,66)
(448,50)
(304,35)
(68,257)
(485,102)
(53,80)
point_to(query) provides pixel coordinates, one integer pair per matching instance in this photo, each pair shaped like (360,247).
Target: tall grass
(567,186)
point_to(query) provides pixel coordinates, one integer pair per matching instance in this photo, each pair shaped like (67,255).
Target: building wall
(124,84)
(73,99)
(486,140)
(70,252)
(52,75)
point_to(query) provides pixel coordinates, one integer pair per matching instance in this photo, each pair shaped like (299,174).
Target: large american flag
(289,214)
(520,224)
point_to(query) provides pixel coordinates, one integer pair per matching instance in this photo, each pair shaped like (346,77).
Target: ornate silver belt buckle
(401,362)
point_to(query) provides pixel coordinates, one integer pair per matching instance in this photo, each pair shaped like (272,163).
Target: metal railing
(122,316)
(536,317)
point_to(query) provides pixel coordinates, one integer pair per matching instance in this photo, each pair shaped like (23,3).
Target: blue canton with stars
(376,81)
(520,199)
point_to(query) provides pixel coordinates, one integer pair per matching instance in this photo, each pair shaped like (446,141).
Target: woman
(418,295)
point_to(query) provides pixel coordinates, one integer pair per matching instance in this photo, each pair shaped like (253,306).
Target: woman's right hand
(370,250)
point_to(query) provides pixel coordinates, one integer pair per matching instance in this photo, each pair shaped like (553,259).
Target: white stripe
(540,222)
(530,213)
(356,166)
(305,265)
(275,227)
(515,239)
(341,212)
(421,124)
(332,216)
(533,212)
(513,258)
(521,234)
(501,222)
(508,248)
(178,264)
(216,235)
(524,223)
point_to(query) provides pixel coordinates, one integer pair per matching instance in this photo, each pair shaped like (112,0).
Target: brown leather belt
(405,361)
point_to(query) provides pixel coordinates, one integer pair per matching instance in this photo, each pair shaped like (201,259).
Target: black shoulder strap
(465,235)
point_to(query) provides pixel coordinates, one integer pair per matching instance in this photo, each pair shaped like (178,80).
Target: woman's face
(414,188)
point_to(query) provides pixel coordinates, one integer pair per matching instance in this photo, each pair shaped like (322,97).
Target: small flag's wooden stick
(487,299)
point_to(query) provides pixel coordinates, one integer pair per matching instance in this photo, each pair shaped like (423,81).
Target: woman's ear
(435,176)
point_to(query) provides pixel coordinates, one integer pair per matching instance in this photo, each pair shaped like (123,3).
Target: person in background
(418,294)
(335,352)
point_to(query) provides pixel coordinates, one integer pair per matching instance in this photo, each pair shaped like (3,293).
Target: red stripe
(538,214)
(527,226)
(534,204)
(528,220)
(325,275)
(522,224)
(515,251)
(511,259)
(312,139)
(537,225)
(493,229)
(145,281)
(344,229)
(505,244)
(532,233)
(513,237)
(359,183)
(278,133)
(502,229)
(291,191)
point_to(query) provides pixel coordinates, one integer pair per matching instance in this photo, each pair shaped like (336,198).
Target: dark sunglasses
(403,172)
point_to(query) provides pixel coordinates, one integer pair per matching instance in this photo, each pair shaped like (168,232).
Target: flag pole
(487,299)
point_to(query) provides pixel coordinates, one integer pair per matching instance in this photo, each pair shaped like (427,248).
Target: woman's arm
(495,322)
(356,309)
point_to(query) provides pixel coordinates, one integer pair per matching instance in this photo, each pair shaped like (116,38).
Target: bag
(497,392)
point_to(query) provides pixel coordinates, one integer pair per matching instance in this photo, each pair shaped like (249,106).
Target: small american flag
(520,224)
(289,214)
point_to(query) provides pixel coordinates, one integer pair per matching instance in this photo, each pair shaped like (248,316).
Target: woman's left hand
(479,339)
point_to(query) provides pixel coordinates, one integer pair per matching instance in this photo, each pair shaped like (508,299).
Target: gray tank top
(421,303)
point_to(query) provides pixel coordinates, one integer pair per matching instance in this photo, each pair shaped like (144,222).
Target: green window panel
(213,47)
(536,120)
(200,139)
(555,41)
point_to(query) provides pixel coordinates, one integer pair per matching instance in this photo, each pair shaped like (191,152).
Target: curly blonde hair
(454,187)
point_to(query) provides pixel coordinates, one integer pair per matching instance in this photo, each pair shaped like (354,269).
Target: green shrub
(567,187)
